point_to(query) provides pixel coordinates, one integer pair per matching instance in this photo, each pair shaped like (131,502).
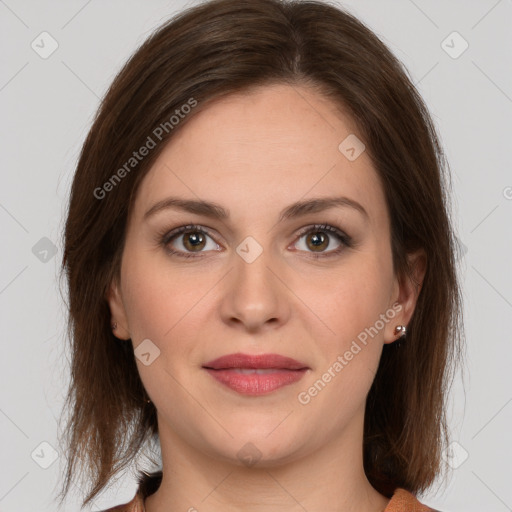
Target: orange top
(402,501)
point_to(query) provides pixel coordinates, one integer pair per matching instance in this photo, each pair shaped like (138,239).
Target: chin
(258,449)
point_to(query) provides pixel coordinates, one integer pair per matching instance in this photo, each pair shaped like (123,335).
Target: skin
(255,154)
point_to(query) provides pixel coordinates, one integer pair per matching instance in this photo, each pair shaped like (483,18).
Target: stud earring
(114,326)
(401,330)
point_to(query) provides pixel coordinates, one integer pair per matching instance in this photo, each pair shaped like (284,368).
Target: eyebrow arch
(216,211)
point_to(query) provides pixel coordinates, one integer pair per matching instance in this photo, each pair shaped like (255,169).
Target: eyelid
(166,235)
(323,227)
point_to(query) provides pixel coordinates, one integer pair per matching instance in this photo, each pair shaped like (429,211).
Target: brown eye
(323,240)
(194,240)
(317,241)
(188,241)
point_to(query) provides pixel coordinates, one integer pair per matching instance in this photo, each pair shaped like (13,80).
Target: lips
(255,375)
(255,362)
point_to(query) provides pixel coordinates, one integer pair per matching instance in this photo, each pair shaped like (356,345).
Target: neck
(329,477)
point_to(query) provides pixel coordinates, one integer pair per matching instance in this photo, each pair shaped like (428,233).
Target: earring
(114,326)
(401,330)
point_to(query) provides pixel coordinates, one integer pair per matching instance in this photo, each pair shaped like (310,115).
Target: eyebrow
(215,211)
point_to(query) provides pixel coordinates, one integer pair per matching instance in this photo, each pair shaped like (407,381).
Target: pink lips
(255,374)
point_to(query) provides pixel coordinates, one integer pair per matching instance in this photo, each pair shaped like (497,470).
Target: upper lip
(262,361)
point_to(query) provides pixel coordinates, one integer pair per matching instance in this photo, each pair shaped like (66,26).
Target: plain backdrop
(47,105)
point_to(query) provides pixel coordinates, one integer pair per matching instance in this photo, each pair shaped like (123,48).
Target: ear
(405,293)
(117,311)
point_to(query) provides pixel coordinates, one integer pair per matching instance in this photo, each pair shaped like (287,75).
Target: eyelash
(165,237)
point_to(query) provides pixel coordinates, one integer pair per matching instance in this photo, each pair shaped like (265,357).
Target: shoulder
(135,505)
(404,501)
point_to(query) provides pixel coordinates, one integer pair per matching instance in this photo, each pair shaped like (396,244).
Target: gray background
(47,108)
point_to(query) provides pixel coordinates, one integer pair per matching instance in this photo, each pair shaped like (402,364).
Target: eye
(192,240)
(319,238)
(188,240)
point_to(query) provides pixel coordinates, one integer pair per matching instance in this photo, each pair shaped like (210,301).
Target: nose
(255,296)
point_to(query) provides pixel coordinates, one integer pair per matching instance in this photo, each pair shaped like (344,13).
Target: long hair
(205,52)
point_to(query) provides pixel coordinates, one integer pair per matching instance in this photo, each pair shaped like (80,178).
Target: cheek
(148,309)
(351,307)
(166,308)
(350,303)
(350,299)
(157,297)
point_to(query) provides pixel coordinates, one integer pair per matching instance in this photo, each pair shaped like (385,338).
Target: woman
(261,269)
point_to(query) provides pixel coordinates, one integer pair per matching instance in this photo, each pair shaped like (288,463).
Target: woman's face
(262,279)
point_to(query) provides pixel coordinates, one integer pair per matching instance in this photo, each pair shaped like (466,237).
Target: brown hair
(217,48)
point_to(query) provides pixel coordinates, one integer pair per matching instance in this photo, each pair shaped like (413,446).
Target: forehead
(273,145)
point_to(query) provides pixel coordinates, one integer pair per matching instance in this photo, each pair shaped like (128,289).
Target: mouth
(255,362)
(252,371)
(255,374)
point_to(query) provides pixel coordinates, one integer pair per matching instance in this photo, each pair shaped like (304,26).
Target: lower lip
(254,384)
